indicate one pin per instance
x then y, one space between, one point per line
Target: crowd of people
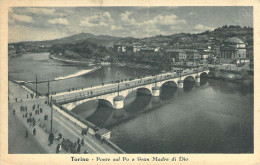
34 114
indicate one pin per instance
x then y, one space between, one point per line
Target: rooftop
234 40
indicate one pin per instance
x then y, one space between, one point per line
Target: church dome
233 40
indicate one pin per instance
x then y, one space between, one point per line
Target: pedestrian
86 132
26 134
34 132
14 112
60 136
16 99
78 149
78 141
58 148
82 142
51 137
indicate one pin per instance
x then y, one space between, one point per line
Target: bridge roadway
110 91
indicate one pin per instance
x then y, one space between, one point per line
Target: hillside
86 43
99 39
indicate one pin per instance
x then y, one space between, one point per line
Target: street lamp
51 113
197 67
179 72
101 72
118 83
36 86
48 92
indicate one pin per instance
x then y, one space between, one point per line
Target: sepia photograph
131 80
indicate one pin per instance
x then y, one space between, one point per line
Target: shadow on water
141 100
137 102
103 115
189 84
168 91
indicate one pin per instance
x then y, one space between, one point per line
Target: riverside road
39 142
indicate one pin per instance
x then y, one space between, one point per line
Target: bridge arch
203 74
133 94
189 78
144 90
137 99
100 101
88 108
170 83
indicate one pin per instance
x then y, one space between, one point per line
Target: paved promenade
39 143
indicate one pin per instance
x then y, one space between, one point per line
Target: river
213 117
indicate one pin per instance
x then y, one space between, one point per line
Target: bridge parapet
153 84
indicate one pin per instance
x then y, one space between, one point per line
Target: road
39 143
16 141
113 87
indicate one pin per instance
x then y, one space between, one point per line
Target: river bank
54 57
115 63
242 77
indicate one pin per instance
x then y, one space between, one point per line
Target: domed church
233 49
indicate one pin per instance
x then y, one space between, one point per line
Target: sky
46 23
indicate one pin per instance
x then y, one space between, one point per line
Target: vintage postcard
136 83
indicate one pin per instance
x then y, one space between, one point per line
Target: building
232 50
192 54
177 54
119 48
250 52
215 50
136 48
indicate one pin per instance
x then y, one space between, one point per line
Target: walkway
61 124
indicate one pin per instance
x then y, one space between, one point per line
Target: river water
213 117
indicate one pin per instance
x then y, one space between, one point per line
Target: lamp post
101 72
179 72
51 113
48 92
36 86
118 84
197 67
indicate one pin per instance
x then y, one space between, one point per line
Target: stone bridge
114 94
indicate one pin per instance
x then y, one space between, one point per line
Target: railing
90 94
90 125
